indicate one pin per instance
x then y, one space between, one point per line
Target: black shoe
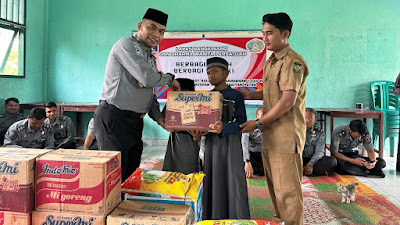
378 173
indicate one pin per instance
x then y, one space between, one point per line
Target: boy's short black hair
359 126
50 105
37 113
11 99
280 20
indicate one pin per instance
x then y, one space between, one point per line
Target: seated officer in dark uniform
315 162
251 145
344 146
10 116
31 132
62 127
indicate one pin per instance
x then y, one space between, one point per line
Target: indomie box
17 175
136 212
78 181
48 218
192 110
15 218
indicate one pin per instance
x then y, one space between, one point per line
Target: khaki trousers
284 173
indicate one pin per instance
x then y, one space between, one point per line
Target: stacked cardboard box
166 187
75 185
154 213
17 180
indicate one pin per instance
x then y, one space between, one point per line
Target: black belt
105 104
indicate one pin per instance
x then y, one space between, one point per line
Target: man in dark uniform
31 132
10 116
62 127
315 162
344 146
251 145
128 91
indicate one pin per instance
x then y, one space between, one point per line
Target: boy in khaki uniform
284 128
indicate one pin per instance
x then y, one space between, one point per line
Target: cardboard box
17 176
48 218
77 181
137 212
195 205
15 218
192 110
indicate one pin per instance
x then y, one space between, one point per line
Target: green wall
347 44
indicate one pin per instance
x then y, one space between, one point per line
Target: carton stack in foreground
17 180
173 191
77 187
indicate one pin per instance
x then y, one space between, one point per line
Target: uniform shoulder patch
296 67
21 127
138 49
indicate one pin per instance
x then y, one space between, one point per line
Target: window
12 36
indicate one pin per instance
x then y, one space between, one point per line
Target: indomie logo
67 221
193 98
62 170
8 169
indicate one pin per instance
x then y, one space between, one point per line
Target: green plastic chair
384 100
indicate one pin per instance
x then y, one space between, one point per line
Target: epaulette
48 126
62 117
20 114
318 129
2 115
21 127
341 133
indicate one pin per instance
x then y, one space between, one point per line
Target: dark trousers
256 163
120 130
322 165
346 168
68 145
94 145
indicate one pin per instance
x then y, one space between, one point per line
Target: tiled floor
388 186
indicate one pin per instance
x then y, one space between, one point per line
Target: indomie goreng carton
193 110
78 181
17 176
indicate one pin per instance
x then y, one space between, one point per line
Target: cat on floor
348 192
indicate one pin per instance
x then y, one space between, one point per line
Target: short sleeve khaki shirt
283 71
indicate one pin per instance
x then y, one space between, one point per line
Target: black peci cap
217 61
186 84
156 16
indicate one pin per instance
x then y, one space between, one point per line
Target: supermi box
193 110
78 181
154 213
17 176
49 218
